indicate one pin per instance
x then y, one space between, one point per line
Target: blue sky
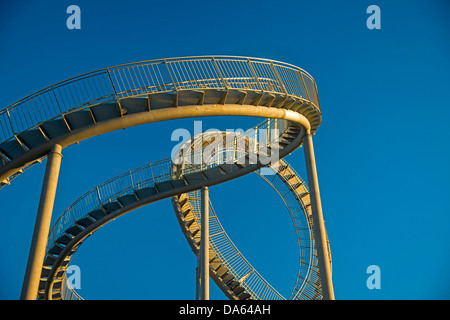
382 149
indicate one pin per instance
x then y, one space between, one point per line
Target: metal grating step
54 128
32 138
190 97
85 222
97 214
145 192
111 206
12 149
162 100
134 105
105 111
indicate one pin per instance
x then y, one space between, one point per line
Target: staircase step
55 249
238 290
54 128
190 97
194 178
280 100
49 260
74 230
214 96
266 100
145 192
212 255
244 296
134 105
42 285
227 277
45 272
253 97
233 284
222 270
235 96
297 105
216 264
105 111
64 239
3 161
183 202
79 119
97 214
230 167
111 206
32 138
57 284
178 183
163 186
186 212
12 149
213 172
85 222
127 199
162 100
190 222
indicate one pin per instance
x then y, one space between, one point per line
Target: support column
317 215
204 246
42 225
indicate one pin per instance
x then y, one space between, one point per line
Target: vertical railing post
42 225
304 86
10 122
98 195
277 75
170 75
254 73
119 106
219 72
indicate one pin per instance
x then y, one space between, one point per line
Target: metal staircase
30 126
157 90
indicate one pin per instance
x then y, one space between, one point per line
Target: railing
255 140
163 170
231 257
67 292
237 264
159 171
142 78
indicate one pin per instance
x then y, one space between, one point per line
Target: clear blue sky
382 151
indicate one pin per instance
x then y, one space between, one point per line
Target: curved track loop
133 94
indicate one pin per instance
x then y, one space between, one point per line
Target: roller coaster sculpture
42 124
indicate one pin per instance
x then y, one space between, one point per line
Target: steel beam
42 225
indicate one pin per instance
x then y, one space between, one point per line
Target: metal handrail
146 77
150 174
235 261
239 266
